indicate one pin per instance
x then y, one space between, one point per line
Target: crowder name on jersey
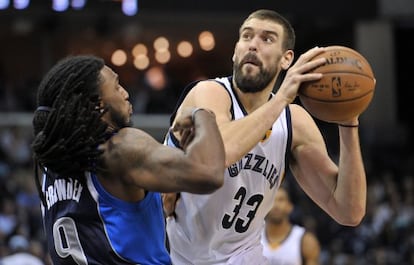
258 164
63 189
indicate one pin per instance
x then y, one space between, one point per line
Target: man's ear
233 58
287 59
290 207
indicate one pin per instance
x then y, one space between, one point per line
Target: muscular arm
239 136
338 190
140 160
311 249
242 135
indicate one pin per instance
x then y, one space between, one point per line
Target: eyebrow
265 31
115 80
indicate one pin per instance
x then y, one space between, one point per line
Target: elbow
354 218
209 186
228 163
358 217
214 179
213 186
232 156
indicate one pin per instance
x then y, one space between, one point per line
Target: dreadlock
67 123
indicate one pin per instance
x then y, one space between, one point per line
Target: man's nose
253 44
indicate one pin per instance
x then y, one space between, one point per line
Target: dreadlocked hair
67 135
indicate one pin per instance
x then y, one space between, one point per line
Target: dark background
31 40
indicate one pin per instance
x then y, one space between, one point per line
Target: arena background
33 36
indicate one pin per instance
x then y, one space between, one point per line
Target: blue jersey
86 225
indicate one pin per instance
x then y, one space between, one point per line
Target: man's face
282 207
257 55
115 98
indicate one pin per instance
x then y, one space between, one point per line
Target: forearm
240 136
207 146
351 189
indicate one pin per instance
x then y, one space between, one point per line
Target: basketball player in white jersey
263 134
285 243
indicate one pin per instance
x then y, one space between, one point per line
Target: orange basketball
344 91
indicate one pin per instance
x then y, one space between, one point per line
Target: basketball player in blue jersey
285 243
101 200
263 134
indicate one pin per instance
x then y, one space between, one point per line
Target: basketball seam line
348 72
336 101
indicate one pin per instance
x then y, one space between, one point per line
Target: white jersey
289 252
21 258
225 227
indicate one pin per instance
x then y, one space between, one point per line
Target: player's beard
253 83
119 120
274 219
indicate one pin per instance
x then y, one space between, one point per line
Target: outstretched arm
142 161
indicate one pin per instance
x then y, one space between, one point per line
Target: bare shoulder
206 89
309 239
310 248
127 145
127 139
304 128
208 84
211 95
130 134
300 117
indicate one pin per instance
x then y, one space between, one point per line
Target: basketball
345 90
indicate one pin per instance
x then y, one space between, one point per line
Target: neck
252 101
277 232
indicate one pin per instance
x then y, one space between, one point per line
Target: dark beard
252 84
274 220
118 119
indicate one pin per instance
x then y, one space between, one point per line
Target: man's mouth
251 59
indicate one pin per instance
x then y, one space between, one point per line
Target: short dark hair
68 127
266 14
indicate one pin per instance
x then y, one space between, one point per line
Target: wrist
348 125
194 112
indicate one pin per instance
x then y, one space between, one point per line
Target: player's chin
129 122
250 69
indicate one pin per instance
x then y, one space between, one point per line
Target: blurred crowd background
157 47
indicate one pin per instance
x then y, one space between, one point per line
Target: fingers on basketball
346 88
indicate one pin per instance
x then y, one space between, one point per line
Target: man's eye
246 36
269 39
